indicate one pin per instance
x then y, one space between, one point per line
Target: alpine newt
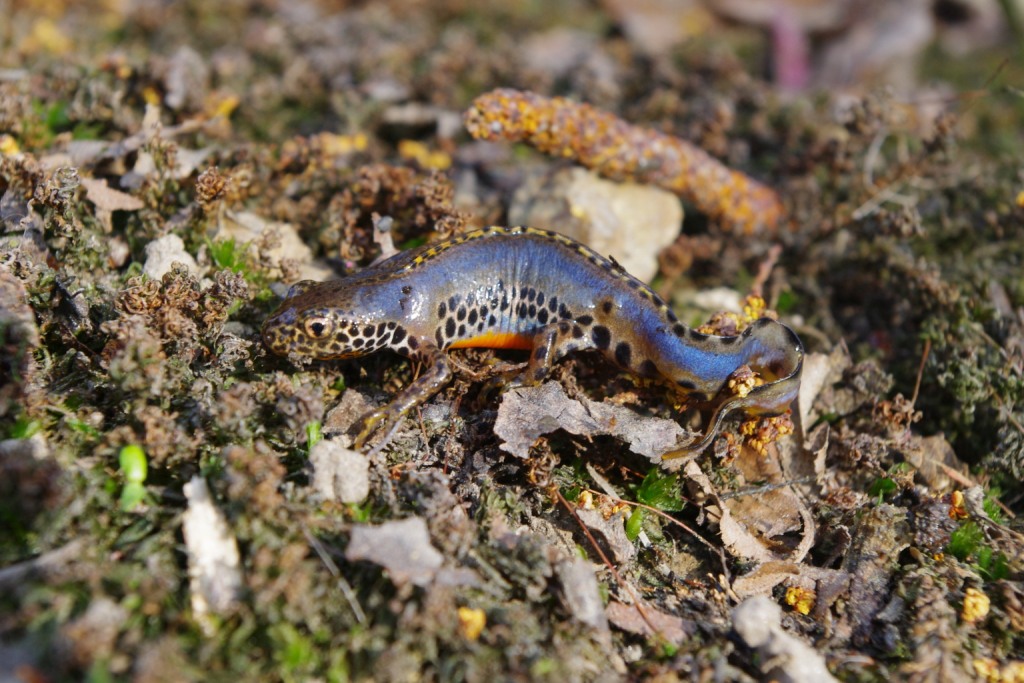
526 288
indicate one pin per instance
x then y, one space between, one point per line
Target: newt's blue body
530 289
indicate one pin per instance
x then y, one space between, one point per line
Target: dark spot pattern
523 307
623 354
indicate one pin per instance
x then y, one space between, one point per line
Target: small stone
214 565
339 473
164 252
630 222
582 593
245 226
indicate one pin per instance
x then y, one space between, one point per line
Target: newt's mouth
279 332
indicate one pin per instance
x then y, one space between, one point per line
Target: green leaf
635 523
787 301
314 434
132 461
660 490
965 541
24 428
882 487
132 495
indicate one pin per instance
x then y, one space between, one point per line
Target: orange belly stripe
495 340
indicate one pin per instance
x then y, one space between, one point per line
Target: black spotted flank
648 369
602 337
697 336
686 385
606 306
398 336
585 320
449 328
442 310
623 354
679 329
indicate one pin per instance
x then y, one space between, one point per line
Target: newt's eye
318 327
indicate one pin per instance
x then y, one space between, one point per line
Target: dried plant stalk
621 151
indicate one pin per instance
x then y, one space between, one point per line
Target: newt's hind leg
436 374
550 344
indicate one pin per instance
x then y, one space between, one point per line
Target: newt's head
315 322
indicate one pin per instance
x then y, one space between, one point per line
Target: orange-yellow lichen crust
618 150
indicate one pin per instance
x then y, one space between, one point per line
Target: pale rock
339 473
164 252
214 565
245 226
629 222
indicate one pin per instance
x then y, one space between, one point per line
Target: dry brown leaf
581 592
820 370
628 618
108 200
928 455
737 532
612 531
403 548
527 413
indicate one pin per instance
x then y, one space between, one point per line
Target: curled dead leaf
527 413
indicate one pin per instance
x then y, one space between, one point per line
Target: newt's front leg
436 373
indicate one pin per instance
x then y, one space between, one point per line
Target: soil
177 503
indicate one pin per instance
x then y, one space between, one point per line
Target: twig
764 270
346 588
611 567
920 371
17 574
